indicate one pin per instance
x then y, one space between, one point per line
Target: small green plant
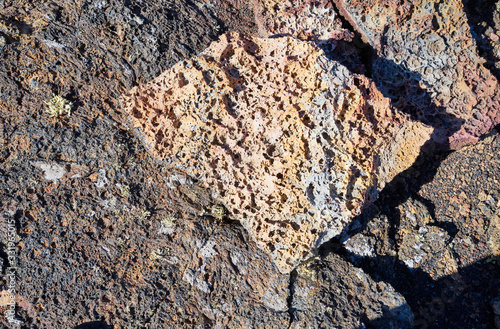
168 221
144 214
125 190
219 211
58 106
166 224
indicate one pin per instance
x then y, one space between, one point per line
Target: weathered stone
291 143
422 245
486 30
332 293
135 252
466 192
428 56
437 245
302 19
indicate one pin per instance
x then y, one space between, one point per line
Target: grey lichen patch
58 106
208 250
52 171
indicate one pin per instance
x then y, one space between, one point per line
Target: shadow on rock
456 300
484 20
403 87
460 300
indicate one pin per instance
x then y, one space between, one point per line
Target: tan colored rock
494 240
291 143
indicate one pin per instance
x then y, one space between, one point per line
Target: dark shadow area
482 18
93 325
461 300
386 320
457 301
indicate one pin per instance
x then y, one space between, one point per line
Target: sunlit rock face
292 144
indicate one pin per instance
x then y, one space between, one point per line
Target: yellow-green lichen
58 106
124 190
168 221
219 212
144 214
159 253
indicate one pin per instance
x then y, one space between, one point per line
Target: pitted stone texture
428 56
332 293
302 19
291 143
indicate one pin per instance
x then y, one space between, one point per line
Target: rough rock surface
127 269
345 295
108 238
472 200
303 19
94 248
428 57
440 247
484 20
291 143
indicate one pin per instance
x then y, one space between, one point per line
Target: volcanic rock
302 19
291 143
426 55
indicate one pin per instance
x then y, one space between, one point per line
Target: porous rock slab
291 143
428 44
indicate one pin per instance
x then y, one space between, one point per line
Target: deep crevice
481 19
365 52
289 300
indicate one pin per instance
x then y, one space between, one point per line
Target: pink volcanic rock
431 42
292 144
